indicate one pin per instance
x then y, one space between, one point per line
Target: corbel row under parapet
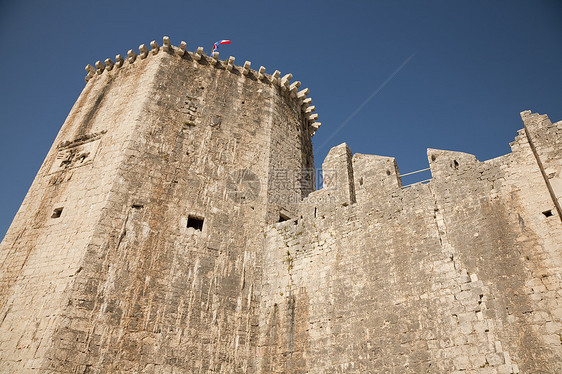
275 79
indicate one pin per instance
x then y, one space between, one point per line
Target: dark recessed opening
361 181
283 218
547 213
137 206
56 213
195 222
315 212
455 164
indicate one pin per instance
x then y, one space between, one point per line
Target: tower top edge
198 56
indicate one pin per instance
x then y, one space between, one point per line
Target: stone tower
174 227
138 244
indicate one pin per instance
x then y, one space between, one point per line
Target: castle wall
458 274
150 240
41 256
147 292
493 212
291 169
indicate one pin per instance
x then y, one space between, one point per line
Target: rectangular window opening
547 213
195 222
56 213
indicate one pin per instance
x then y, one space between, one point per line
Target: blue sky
467 68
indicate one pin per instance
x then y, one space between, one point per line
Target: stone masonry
174 227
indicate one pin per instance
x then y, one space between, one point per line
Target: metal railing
412 173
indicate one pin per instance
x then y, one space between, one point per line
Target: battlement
365 179
456 261
174 227
290 90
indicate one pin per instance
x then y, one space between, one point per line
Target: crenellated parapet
174 226
369 179
283 83
456 273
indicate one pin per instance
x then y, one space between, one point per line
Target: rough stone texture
119 282
461 274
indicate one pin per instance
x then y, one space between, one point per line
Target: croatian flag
216 45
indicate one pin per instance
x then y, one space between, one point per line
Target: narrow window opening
195 222
315 212
137 206
56 213
361 181
547 213
283 217
455 164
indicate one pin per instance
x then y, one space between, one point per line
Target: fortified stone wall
149 242
459 274
42 253
161 171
